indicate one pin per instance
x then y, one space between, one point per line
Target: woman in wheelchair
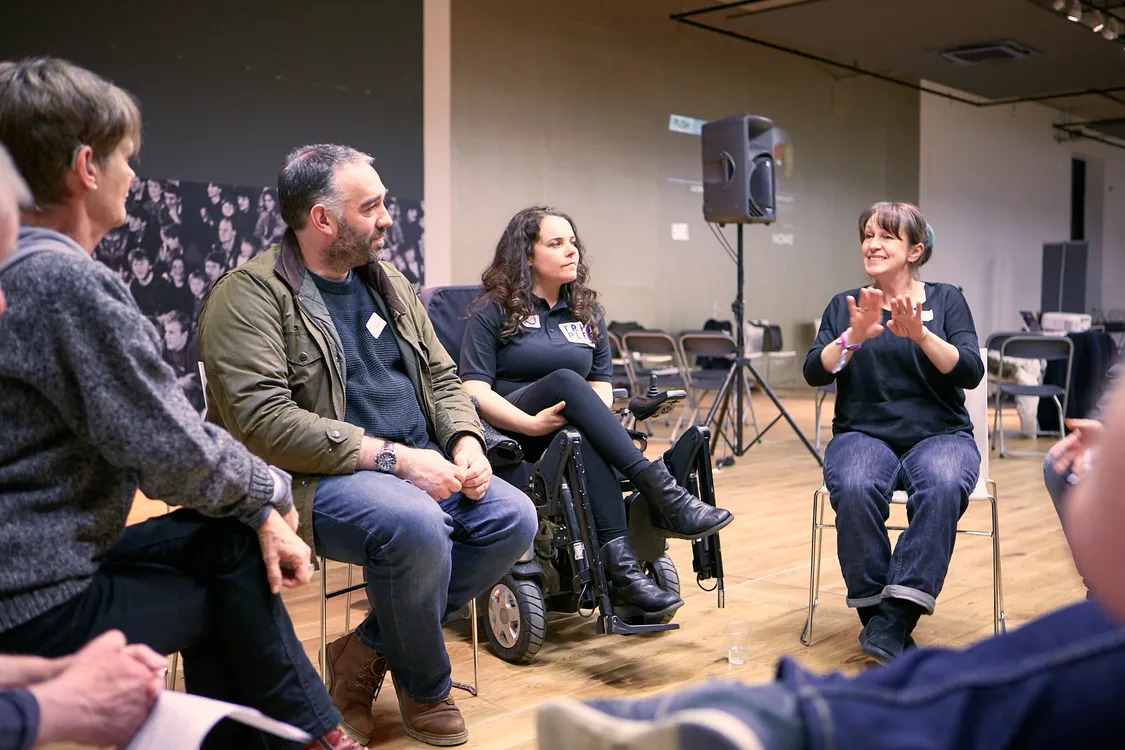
536 357
901 352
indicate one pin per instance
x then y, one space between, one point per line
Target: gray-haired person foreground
90 413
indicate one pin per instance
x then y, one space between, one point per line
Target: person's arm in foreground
98 696
1094 515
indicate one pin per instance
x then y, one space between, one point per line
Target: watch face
385 461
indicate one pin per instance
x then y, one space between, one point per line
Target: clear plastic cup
738 642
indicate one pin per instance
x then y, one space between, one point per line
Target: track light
1074 11
1097 21
1058 4
1112 29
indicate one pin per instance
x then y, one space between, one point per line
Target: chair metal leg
323 617
348 611
814 565
995 422
1000 420
472 689
1062 417
999 624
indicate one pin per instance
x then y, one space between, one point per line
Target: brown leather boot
433 723
354 674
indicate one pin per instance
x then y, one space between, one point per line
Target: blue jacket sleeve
832 323
19 719
962 333
602 368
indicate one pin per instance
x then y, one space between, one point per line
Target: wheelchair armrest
646 407
500 449
639 438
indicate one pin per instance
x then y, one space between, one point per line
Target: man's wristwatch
385 460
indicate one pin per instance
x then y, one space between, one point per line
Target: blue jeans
422 561
1057 682
861 472
184 582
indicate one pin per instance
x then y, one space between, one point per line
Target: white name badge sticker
575 333
927 315
375 325
532 321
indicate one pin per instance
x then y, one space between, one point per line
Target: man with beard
321 359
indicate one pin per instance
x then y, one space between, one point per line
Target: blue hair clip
929 244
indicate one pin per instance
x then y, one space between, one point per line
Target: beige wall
995 185
568 103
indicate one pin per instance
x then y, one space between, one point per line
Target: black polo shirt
551 340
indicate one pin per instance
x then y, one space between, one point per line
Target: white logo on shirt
532 321
576 333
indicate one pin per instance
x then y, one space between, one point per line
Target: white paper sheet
180 721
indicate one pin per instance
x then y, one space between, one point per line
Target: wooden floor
766 556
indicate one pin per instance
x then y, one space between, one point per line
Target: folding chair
976 401
695 344
655 354
1029 346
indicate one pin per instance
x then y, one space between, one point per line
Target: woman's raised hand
906 318
865 316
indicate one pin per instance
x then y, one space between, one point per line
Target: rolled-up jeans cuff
921 598
866 601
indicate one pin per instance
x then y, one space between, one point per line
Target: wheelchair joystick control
653 390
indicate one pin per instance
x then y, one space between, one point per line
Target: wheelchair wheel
517 619
663 573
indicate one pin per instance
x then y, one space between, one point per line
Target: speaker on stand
739 188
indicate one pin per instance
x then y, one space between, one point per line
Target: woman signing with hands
901 352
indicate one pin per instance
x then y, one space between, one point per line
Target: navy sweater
889 389
378 394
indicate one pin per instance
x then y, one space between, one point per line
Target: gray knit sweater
89 412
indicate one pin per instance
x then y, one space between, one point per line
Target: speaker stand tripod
736 385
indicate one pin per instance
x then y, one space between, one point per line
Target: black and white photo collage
181 236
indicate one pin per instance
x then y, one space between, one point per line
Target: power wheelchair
563 571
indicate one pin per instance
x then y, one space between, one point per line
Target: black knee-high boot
675 510
629 585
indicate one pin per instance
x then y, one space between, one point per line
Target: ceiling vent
971 54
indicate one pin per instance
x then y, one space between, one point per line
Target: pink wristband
843 343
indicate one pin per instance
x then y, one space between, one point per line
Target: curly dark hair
507 280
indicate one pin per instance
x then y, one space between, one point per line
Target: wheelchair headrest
448 310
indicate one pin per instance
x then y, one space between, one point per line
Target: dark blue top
379 396
19 719
889 389
551 340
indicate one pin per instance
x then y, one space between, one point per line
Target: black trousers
606 446
184 582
